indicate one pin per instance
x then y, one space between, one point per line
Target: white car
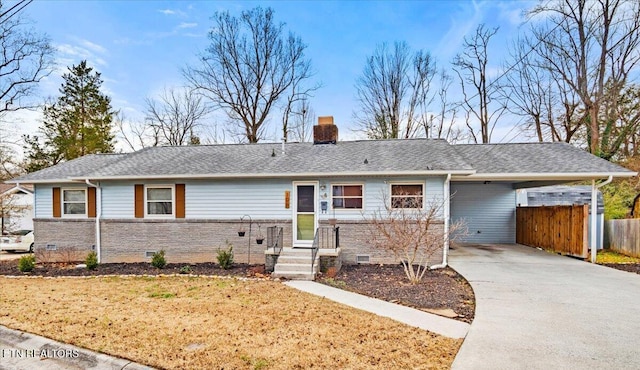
21 240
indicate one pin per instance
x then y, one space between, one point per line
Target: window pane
338 190
305 227
338 203
74 208
306 198
406 189
159 208
353 203
73 195
159 194
353 191
406 202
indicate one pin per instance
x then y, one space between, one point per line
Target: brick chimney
325 132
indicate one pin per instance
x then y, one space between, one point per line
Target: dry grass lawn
197 323
609 256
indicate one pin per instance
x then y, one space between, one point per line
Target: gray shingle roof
382 157
77 167
534 158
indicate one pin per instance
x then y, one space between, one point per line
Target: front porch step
295 264
287 267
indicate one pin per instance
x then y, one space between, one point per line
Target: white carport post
593 243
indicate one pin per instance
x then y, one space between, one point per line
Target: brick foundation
195 240
356 237
73 239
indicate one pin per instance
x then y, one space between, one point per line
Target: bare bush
413 231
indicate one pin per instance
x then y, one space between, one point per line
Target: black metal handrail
314 248
274 239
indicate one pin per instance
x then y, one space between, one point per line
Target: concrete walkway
538 310
24 351
407 315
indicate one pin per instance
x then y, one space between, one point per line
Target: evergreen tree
78 123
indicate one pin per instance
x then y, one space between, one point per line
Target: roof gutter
23 189
447 211
594 216
98 215
544 176
276 175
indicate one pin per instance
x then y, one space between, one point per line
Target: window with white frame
74 202
407 195
159 200
347 196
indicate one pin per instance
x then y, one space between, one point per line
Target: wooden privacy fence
563 229
623 236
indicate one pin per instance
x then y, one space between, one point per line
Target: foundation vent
363 258
51 247
149 254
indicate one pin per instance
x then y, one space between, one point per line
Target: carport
486 200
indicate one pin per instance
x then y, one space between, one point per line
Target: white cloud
187 25
73 53
172 12
93 47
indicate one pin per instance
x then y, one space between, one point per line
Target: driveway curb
20 350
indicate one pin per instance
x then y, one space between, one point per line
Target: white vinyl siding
117 200
487 209
261 199
231 199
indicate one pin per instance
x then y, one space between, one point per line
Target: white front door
305 220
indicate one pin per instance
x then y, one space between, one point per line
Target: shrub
27 263
91 261
225 257
158 260
186 269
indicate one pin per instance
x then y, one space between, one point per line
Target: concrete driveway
4 256
537 310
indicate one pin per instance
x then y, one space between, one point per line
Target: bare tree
592 46
303 119
176 116
441 124
412 232
135 134
249 67
26 57
481 101
394 91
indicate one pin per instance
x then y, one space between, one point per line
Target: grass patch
215 323
609 256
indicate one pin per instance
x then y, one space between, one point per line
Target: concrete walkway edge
406 315
20 350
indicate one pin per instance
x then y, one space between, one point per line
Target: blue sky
141 46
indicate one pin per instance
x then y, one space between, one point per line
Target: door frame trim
294 212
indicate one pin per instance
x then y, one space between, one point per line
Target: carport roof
519 161
414 157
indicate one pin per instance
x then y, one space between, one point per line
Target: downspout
98 214
594 216
446 216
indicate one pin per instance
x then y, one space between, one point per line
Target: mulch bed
630 267
439 289
141 268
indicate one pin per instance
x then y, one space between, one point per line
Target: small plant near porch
413 231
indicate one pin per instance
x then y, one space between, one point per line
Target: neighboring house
189 200
16 207
563 195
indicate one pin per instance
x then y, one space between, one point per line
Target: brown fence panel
623 236
563 229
